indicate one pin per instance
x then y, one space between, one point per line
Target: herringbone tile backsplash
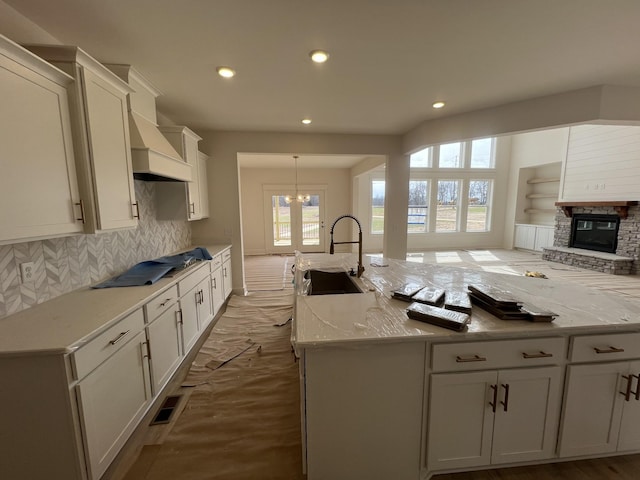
68 263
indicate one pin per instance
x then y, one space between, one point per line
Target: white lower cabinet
227 278
505 410
165 346
602 409
217 288
112 399
483 418
195 306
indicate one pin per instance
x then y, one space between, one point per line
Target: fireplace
595 232
601 236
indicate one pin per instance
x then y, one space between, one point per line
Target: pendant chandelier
300 197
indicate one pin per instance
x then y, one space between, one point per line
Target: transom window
462 200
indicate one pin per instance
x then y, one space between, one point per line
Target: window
417 218
451 155
421 159
482 153
377 206
478 205
447 209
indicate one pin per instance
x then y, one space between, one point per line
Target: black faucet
359 242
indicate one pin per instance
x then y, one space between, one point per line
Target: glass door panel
294 224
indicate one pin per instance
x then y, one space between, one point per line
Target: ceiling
389 59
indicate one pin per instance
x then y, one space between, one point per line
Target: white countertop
374 316
64 323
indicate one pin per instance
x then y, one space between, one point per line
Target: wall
602 164
68 263
529 151
252 180
224 224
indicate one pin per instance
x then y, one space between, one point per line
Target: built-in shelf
543 180
621 207
542 195
539 210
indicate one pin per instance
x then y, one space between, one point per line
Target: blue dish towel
149 272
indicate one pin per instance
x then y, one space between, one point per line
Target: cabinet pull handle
179 317
192 208
627 392
118 338
637 392
215 284
495 398
81 205
224 271
137 214
608 350
506 396
540 354
166 300
475 358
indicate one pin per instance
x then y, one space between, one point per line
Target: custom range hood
153 157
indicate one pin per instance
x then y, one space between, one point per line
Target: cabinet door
592 409
109 153
38 185
164 346
191 157
526 419
112 400
629 438
525 237
544 238
189 318
460 420
227 279
217 292
203 185
205 307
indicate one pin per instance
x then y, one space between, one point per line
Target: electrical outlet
27 272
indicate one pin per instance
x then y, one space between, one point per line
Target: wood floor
156 466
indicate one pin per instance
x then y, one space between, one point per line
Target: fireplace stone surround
626 259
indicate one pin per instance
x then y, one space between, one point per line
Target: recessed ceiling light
226 72
319 56
306 121
438 104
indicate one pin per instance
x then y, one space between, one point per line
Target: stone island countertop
374 316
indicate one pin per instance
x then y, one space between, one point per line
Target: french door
294 224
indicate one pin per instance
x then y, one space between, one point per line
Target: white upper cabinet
203 184
38 186
100 124
188 200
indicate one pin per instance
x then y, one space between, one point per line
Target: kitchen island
384 396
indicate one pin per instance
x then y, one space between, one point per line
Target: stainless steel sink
330 283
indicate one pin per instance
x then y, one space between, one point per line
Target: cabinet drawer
216 262
498 354
193 279
601 348
96 351
226 255
160 303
